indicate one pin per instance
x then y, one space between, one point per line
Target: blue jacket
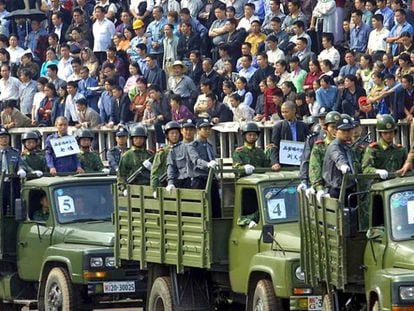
67 164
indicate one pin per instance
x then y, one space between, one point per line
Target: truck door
244 241
34 234
376 238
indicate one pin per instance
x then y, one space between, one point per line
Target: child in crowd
149 116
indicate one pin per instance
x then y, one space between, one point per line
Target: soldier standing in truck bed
34 158
159 165
90 160
114 154
136 157
177 159
249 156
202 157
384 156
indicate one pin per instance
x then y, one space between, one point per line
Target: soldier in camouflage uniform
114 154
384 156
319 150
90 161
34 158
248 156
135 158
159 165
177 159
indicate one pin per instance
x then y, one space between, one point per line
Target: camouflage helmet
84 133
385 123
332 117
29 135
138 131
172 125
250 127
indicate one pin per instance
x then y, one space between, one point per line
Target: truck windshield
83 202
402 215
280 204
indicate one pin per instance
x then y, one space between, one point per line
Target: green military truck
362 255
62 260
195 262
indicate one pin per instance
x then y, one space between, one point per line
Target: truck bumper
306 302
127 288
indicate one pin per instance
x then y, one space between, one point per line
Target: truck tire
160 298
264 298
60 294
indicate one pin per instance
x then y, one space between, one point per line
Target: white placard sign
410 212
66 204
65 146
290 152
276 209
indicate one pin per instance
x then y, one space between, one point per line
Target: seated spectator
15 51
297 74
281 72
247 97
302 109
351 66
273 104
313 74
300 32
12 117
263 71
247 69
313 105
234 39
329 52
223 52
27 91
136 36
274 54
120 108
376 89
347 102
274 11
303 53
404 66
149 116
327 94
109 71
326 68
155 75
179 111
121 43
246 21
377 46
134 74
70 103
260 101
289 91
162 110
77 42
200 105
228 88
294 15
281 35
46 106
405 44
59 107
188 41
138 95
76 68
112 58
86 87
217 111
385 11
256 38
28 63
88 118
40 94
51 59
364 73
89 60
246 49
401 26
64 65
241 112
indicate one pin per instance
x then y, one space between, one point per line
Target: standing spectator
155 75
58 109
89 60
28 63
64 65
41 82
162 110
297 74
27 91
36 40
15 51
9 86
234 38
206 15
274 54
141 9
327 94
138 96
294 15
194 6
313 74
52 74
196 68
120 104
377 46
103 30
351 66
4 23
246 22
139 38
78 22
217 29
188 41
105 101
46 106
13 117
68 163
125 22
58 27
261 73
155 34
85 87
70 104
359 34
180 84
170 44
256 38
324 12
210 74
386 12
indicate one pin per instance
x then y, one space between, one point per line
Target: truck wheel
60 293
328 303
160 298
264 298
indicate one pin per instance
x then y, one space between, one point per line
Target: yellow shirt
255 41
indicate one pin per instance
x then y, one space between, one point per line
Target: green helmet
332 117
84 133
29 135
172 125
138 131
37 132
385 123
250 127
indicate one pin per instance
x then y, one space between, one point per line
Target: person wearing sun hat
180 84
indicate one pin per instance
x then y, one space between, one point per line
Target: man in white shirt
14 50
64 65
9 86
274 54
376 40
247 69
329 51
70 103
103 30
246 21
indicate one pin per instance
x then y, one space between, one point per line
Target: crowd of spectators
151 61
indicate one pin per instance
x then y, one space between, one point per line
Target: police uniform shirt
200 153
177 163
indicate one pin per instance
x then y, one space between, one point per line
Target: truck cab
58 245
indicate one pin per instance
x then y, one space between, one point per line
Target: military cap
3 131
323 111
121 132
385 123
203 123
29 135
345 123
188 123
357 121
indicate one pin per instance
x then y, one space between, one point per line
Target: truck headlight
406 292
300 275
110 261
96 262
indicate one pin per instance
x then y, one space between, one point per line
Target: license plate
315 303
119 287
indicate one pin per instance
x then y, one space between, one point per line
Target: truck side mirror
20 212
267 233
375 233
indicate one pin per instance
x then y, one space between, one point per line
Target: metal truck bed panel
174 229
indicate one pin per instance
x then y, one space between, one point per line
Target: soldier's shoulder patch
373 145
319 142
238 149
